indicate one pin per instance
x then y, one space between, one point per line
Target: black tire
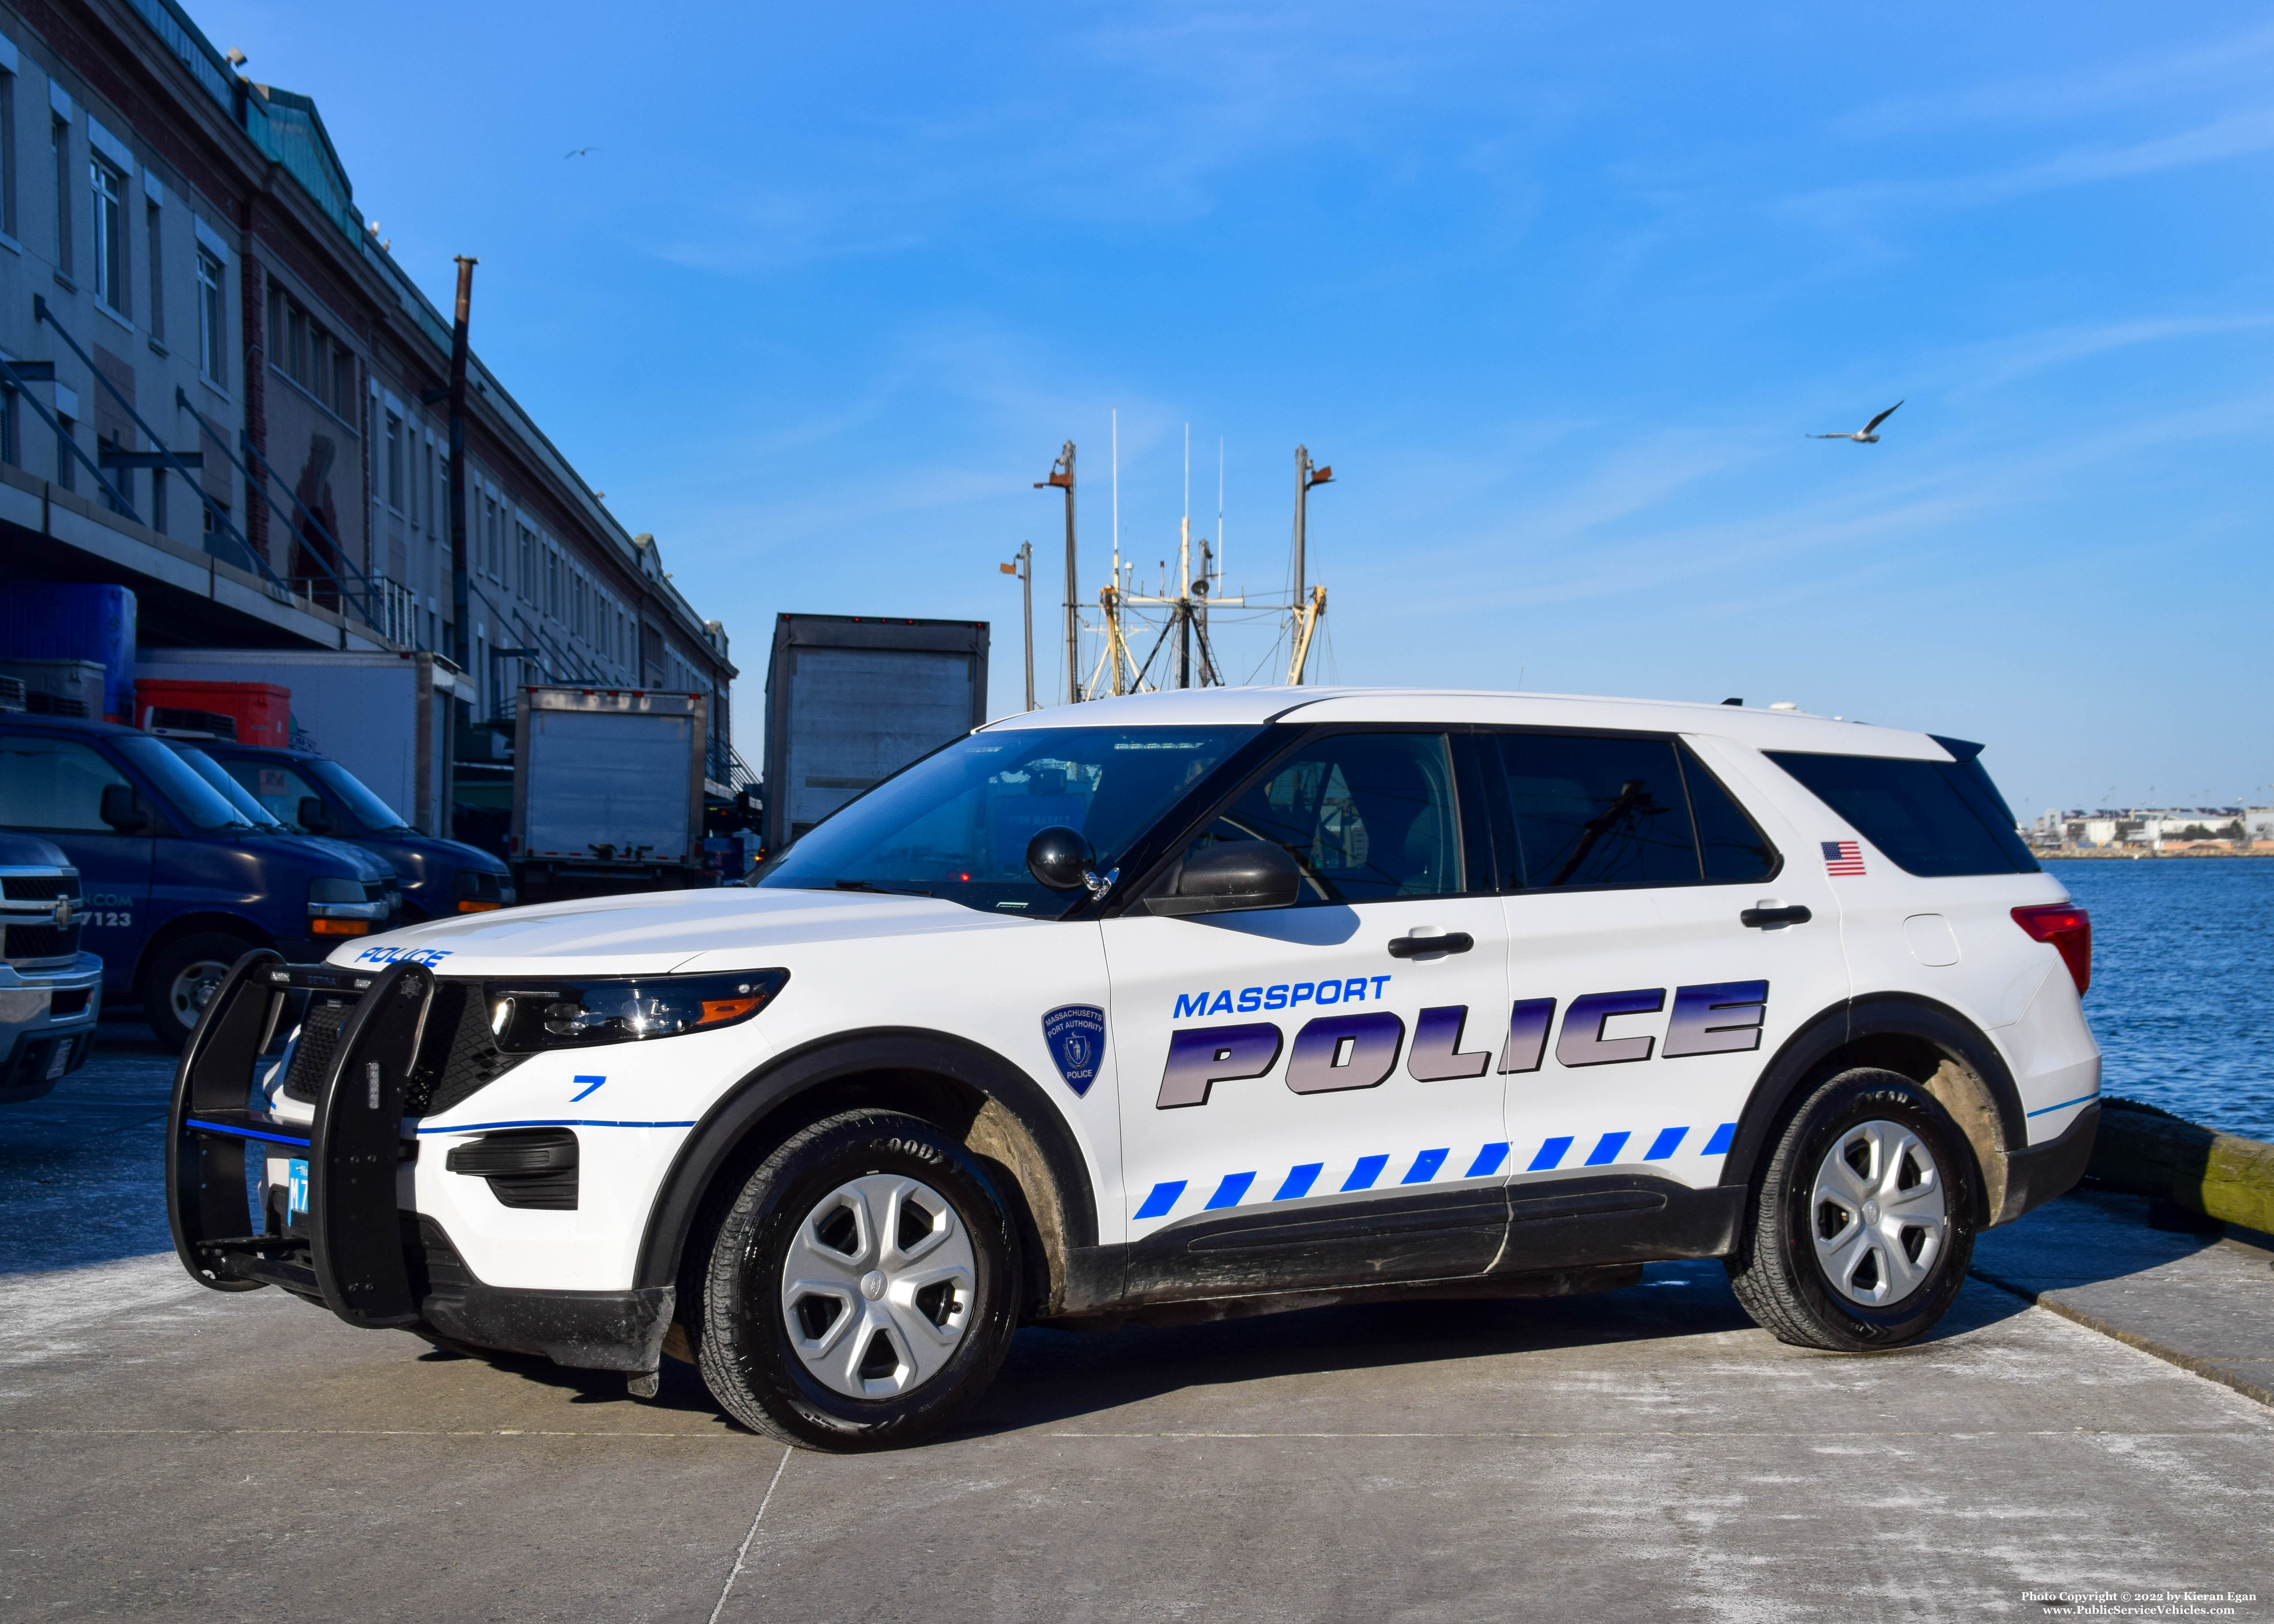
750 1356
1784 1272
171 1001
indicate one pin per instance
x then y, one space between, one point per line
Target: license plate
295 1189
59 1062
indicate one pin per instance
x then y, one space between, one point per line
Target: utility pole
1023 566
1062 476
1305 607
461 636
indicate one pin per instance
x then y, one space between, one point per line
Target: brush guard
352 1258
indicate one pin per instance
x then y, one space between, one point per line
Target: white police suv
1187 1004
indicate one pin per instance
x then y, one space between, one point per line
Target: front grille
26 942
311 1056
457 1057
39 887
460 1056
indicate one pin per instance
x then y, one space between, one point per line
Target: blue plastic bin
72 620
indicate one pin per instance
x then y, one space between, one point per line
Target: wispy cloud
2239 135
2037 99
2006 360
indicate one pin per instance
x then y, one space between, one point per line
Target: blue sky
1558 290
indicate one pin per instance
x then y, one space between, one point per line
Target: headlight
528 1016
340 908
480 892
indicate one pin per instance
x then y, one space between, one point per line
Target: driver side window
53 783
1367 816
277 788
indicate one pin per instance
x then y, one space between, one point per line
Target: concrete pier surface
172 1452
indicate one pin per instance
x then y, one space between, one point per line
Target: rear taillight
2067 928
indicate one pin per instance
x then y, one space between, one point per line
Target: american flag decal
1843 857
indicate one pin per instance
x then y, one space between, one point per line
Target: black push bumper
360 1255
2035 1176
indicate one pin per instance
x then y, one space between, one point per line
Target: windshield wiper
887 890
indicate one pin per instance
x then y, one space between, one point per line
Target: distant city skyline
1559 292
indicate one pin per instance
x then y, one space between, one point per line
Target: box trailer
386 717
608 791
852 699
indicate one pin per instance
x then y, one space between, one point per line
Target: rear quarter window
1934 819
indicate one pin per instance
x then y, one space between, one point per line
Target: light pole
1023 566
1306 612
1062 476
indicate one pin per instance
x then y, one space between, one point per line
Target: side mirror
123 810
1234 876
312 817
1059 859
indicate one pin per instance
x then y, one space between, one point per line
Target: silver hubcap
1878 1213
194 988
879 1287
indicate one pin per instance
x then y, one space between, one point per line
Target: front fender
907 1054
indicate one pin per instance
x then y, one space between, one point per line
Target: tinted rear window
1931 818
1618 810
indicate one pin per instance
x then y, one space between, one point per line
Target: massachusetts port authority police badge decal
1076 1033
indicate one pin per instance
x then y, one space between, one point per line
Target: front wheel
862 1291
181 980
1863 1226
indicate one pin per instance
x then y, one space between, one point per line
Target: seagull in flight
580 152
1869 434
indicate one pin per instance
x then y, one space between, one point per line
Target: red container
263 711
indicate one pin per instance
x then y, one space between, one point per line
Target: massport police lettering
1333 1053
1285 996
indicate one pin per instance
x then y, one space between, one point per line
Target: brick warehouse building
183 270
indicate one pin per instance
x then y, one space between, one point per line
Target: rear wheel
862 1291
181 979
1864 1224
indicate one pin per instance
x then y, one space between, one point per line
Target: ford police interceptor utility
1183 1005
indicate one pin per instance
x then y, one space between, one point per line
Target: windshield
956 824
201 806
207 768
375 815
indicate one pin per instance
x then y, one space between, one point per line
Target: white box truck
608 791
386 717
852 699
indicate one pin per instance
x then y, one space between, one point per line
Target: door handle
1451 942
1762 919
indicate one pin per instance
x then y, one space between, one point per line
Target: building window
433 521
107 237
8 153
158 500
526 577
394 462
153 218
490 560
213 323
59 134
122 479
66 464
303 351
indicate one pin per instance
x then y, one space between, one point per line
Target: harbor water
2182 952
